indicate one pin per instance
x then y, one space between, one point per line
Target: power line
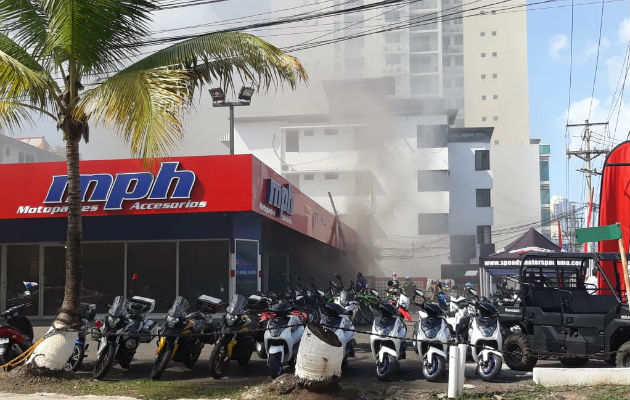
599 42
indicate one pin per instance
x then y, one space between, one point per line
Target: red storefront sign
169 185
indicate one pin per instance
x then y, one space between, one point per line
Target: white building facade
18 150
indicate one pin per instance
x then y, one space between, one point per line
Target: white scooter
387 340
432 335
486 340
339 321
282 337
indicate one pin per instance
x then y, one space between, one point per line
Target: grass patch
142 389
543 393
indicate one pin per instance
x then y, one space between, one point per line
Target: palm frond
21 77
13 116
98 34
217 57
146 107
26 21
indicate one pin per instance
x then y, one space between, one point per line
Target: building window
483 97
483 119
494 54
494 33
433 224
463 248
544 170
308 132
495 76
482 160
483 76
292 138
484 234
483 197
309 177
331 176
331 131
459 61
432 181
483 55
545 196
495 96
483 34
431 136
495 118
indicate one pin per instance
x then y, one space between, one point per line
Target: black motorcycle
88 312
16 333
236 338
124 328
183 336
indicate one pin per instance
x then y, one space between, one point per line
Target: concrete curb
581 376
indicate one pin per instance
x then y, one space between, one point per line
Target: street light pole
218 100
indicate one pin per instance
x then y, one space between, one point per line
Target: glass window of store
204 268
22 266
246 266
54 278
154 262
103 273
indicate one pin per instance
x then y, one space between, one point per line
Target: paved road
360 372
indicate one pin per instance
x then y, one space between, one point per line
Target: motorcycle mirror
419 293
374 292
320 292
473 292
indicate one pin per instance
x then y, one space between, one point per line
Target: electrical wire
599 42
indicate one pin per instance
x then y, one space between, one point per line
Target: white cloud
557 43
579 111
590 49
624 30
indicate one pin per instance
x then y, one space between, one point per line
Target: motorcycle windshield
179 308
237 305
118 307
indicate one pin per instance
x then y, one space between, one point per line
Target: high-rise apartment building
468 72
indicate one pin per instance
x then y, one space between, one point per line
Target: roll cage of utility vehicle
559 316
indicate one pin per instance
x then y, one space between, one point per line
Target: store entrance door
246 266
275 272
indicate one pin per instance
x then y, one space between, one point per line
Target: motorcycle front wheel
489 370
433 369
76 359
104 361
385 369
191 360
260 350
161 361
219 361
275 365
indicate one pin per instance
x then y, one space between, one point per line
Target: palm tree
71 60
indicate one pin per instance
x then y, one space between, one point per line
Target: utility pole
587 154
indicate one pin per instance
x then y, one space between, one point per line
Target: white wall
13 151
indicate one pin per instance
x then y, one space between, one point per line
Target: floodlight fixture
217 94
246 93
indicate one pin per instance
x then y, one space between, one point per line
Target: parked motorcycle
432 335
367 302
485 338
184 334
123 329
16 333
338 320
88 313
283 336
236 338
387 340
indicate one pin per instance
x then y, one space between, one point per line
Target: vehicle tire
191 360
433 370
517 353
385 370
275 365
260 350
489 370
573 361
623 356
104 361
219 362
161 361
76 359
244 360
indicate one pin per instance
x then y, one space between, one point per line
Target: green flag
597 234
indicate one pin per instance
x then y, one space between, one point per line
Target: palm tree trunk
69 313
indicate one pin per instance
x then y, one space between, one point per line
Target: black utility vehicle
557 316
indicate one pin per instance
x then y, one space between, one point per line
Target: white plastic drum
318 360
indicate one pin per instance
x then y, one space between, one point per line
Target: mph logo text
114 191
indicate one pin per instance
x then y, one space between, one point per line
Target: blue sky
549 32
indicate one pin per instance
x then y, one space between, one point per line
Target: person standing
362 284
591 283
